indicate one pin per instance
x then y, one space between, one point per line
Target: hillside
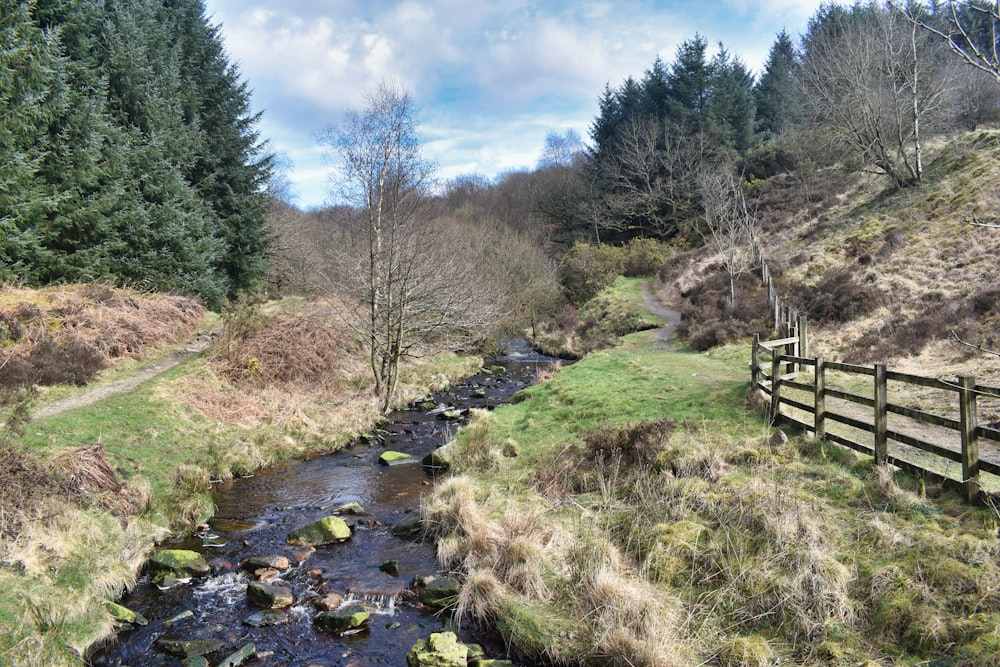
884 274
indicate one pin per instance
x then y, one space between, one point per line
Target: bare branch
973 345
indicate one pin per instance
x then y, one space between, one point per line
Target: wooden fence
869 413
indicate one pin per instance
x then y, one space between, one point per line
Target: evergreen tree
731 105
29 99
779 99
690 85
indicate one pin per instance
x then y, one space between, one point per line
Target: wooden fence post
819 398
968 422
803 336
881 414
775 386
755 363
777 312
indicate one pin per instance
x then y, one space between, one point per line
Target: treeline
128 149
862 90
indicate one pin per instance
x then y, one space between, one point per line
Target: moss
750 651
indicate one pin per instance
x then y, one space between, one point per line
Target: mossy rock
441 649
325 531
441 592
268 596
410 527
391 458
124 614
342 620
177 563
436 460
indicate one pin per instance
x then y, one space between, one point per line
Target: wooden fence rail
788 356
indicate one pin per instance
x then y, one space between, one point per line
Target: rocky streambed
319 562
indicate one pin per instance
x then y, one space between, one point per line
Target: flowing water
255 514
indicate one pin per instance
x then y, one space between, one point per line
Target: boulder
351 509
391 458
441 591
195 661
269 596
254 563
390 567
329 602
411 526
124 614
342 620
178 564
441 649
436 460
325 531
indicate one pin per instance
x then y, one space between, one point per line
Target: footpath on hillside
664 336
91 395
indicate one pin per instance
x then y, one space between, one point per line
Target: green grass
746 552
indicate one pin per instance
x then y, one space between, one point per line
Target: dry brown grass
67 334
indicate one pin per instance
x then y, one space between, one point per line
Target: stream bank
255 515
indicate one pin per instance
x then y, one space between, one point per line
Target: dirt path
91 395
664 336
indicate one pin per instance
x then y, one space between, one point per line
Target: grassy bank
632 510
118 474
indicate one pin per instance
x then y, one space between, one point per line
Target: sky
490 78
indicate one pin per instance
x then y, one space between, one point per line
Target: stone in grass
177 563
391 458
490 662
441 649
269 596
325 531
341 620
441 591
183 648
124 614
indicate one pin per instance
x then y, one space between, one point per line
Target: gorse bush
586 270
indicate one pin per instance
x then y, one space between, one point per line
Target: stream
255 514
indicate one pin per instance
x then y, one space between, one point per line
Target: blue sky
490 78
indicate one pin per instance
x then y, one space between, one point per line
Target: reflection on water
255 514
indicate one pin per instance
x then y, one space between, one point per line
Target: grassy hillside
633 510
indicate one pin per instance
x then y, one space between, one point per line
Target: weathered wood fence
787 357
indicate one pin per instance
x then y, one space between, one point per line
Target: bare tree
649 176
406 287
971 29
731 227
875 84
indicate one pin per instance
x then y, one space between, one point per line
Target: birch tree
407 285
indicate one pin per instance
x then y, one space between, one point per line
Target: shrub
708 317
837 297
585 270
643 257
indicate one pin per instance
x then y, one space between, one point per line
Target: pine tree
779 99
731 105
690 81
29 98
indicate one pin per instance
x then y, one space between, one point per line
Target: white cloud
491 78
